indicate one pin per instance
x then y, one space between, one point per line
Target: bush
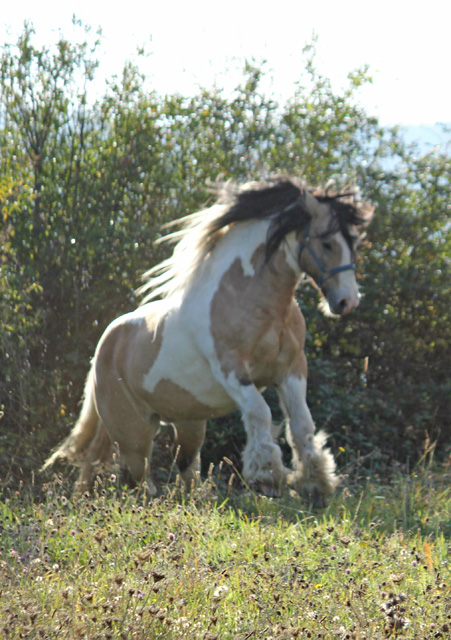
86 188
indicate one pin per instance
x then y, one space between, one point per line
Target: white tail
82 434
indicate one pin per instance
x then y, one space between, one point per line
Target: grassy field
226 563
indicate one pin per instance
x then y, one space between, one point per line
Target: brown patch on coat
123 341
257 327
146 345
172 402
292 342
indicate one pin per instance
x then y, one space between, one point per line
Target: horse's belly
175 402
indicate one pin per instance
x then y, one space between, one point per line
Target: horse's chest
272 356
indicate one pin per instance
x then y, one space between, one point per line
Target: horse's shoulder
293 336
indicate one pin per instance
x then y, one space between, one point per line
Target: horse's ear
366 209
315 208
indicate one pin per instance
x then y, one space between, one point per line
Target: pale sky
407 45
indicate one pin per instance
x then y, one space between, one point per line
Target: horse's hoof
315 498
268 490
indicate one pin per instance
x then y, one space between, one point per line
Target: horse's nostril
344 306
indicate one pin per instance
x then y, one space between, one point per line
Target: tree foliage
86 188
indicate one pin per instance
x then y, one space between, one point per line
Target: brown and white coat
226 326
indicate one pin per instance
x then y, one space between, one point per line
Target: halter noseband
325 272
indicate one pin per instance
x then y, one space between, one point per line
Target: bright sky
406 43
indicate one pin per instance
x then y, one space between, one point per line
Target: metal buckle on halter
325 272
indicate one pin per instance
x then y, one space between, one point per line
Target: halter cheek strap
325 272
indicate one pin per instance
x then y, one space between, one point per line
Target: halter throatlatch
325 272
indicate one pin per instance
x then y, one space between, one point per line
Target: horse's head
328 246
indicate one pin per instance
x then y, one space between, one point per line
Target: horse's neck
279 277
238 263
274 281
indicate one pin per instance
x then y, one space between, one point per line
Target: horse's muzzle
342 303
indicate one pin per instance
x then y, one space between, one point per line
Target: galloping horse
218 325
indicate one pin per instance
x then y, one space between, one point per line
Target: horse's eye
327 246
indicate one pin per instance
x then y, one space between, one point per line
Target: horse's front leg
313 464
262 457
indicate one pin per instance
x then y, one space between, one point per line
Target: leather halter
325 272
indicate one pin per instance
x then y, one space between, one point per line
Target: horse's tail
84 431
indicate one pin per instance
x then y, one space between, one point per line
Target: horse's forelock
347 214
348 208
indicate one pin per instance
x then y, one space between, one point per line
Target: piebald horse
219 324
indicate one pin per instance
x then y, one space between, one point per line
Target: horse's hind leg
130 425
189 438
98 452
134 439
314 466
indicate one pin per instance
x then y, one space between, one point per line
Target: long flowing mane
280 200
227 326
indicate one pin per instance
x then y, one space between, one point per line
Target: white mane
193 243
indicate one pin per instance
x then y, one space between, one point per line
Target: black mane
282 200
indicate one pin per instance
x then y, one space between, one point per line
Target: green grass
228 564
